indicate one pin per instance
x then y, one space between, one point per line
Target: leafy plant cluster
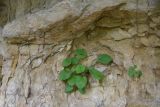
133 72
75 75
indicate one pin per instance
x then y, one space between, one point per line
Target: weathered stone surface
43 33
152 41
14 9
119 34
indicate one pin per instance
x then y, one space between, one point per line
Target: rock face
41 33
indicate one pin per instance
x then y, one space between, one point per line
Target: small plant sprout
133 72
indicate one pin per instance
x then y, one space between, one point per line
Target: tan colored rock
152 41
108 22
119 34
34 45
156 19
115 18
121 47
136 105
142 28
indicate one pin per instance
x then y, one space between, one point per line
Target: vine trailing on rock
75 75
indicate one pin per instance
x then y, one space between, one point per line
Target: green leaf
81 82
64 75
104 59
96 74
73 69
80 68
72 80
66 62
81 53
74 60
82 91
68 88
136 74
133 72
140 74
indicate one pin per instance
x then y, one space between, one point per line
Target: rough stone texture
33 46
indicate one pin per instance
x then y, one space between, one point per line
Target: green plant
104 59
133 72
75 75
95 73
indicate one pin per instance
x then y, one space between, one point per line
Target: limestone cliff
36 35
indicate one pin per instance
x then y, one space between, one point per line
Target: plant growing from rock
133 72
75 75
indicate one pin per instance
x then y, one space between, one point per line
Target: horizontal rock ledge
63 19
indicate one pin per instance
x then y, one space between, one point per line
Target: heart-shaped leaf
73 69
64 74
137 74
81 82
133 72
81 53
66 62
68 88
80 68
72 80
75 60
96 74
82 91
104 59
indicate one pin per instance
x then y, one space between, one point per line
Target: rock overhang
66 13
